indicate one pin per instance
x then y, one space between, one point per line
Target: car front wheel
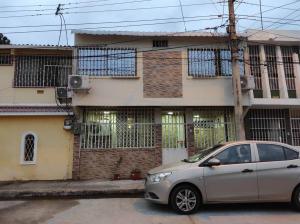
185 199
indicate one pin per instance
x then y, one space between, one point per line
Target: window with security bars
267 125
255 70
42 71
106 62
213 126
211 62
118 128
295 126
6 58
28 149
288 65
271 63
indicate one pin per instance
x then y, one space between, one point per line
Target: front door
235 179
173 137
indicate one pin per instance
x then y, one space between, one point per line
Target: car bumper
157 192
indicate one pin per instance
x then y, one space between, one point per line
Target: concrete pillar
296 68
158 135
264 73
191 149
281 75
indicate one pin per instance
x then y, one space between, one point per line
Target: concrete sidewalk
71 189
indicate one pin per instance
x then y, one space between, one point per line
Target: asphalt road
138 211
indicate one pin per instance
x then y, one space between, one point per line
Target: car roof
257 141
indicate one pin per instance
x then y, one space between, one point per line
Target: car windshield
197 157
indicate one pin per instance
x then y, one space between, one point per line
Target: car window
235 154
268 152
291 154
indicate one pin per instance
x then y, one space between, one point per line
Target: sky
17 16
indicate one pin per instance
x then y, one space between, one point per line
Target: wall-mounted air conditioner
247 83
79 83
63 95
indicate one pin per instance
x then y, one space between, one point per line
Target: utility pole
236 80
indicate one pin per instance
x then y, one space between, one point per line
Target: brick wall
102 163
162 74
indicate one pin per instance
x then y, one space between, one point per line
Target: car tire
296 198
185 199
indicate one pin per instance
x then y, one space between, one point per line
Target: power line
110 27
109 10
107 22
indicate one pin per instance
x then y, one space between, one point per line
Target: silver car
245 171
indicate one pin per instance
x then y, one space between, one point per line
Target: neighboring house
154 98
274 63
33 142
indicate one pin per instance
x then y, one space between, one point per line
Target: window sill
28 163
116 77
209 77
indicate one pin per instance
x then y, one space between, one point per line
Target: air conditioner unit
63 95
79 83
247 83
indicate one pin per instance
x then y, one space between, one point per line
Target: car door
235 179
278 171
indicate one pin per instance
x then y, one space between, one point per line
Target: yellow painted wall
54 148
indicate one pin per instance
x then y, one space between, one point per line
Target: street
138 211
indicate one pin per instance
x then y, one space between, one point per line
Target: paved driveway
138 211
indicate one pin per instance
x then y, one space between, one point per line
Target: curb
78 194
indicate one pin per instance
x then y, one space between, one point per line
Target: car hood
170 167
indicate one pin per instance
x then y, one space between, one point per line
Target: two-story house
154 98
273 61
33 142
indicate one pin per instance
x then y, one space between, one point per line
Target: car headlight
156 178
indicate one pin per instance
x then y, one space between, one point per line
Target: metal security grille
255 70
288 65
29 148
42 71
173 130
211 62
213 126
271 62
5 59
121 128
295 126
266 125
115 62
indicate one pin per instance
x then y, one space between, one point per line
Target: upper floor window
5 57
211 62
42 71
106 62
28 148
160 43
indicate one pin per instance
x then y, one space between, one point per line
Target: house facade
34 144
153 98
118 102
273 58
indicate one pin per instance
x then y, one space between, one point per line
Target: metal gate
173 137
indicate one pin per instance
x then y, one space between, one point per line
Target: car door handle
292 166
247 171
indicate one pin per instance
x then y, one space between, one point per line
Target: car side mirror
213 162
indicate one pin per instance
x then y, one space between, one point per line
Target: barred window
121 128
28 148
111 62
271 61
266 125
295 126
211 62
42 71
255 70
5 58
288 65
213 126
